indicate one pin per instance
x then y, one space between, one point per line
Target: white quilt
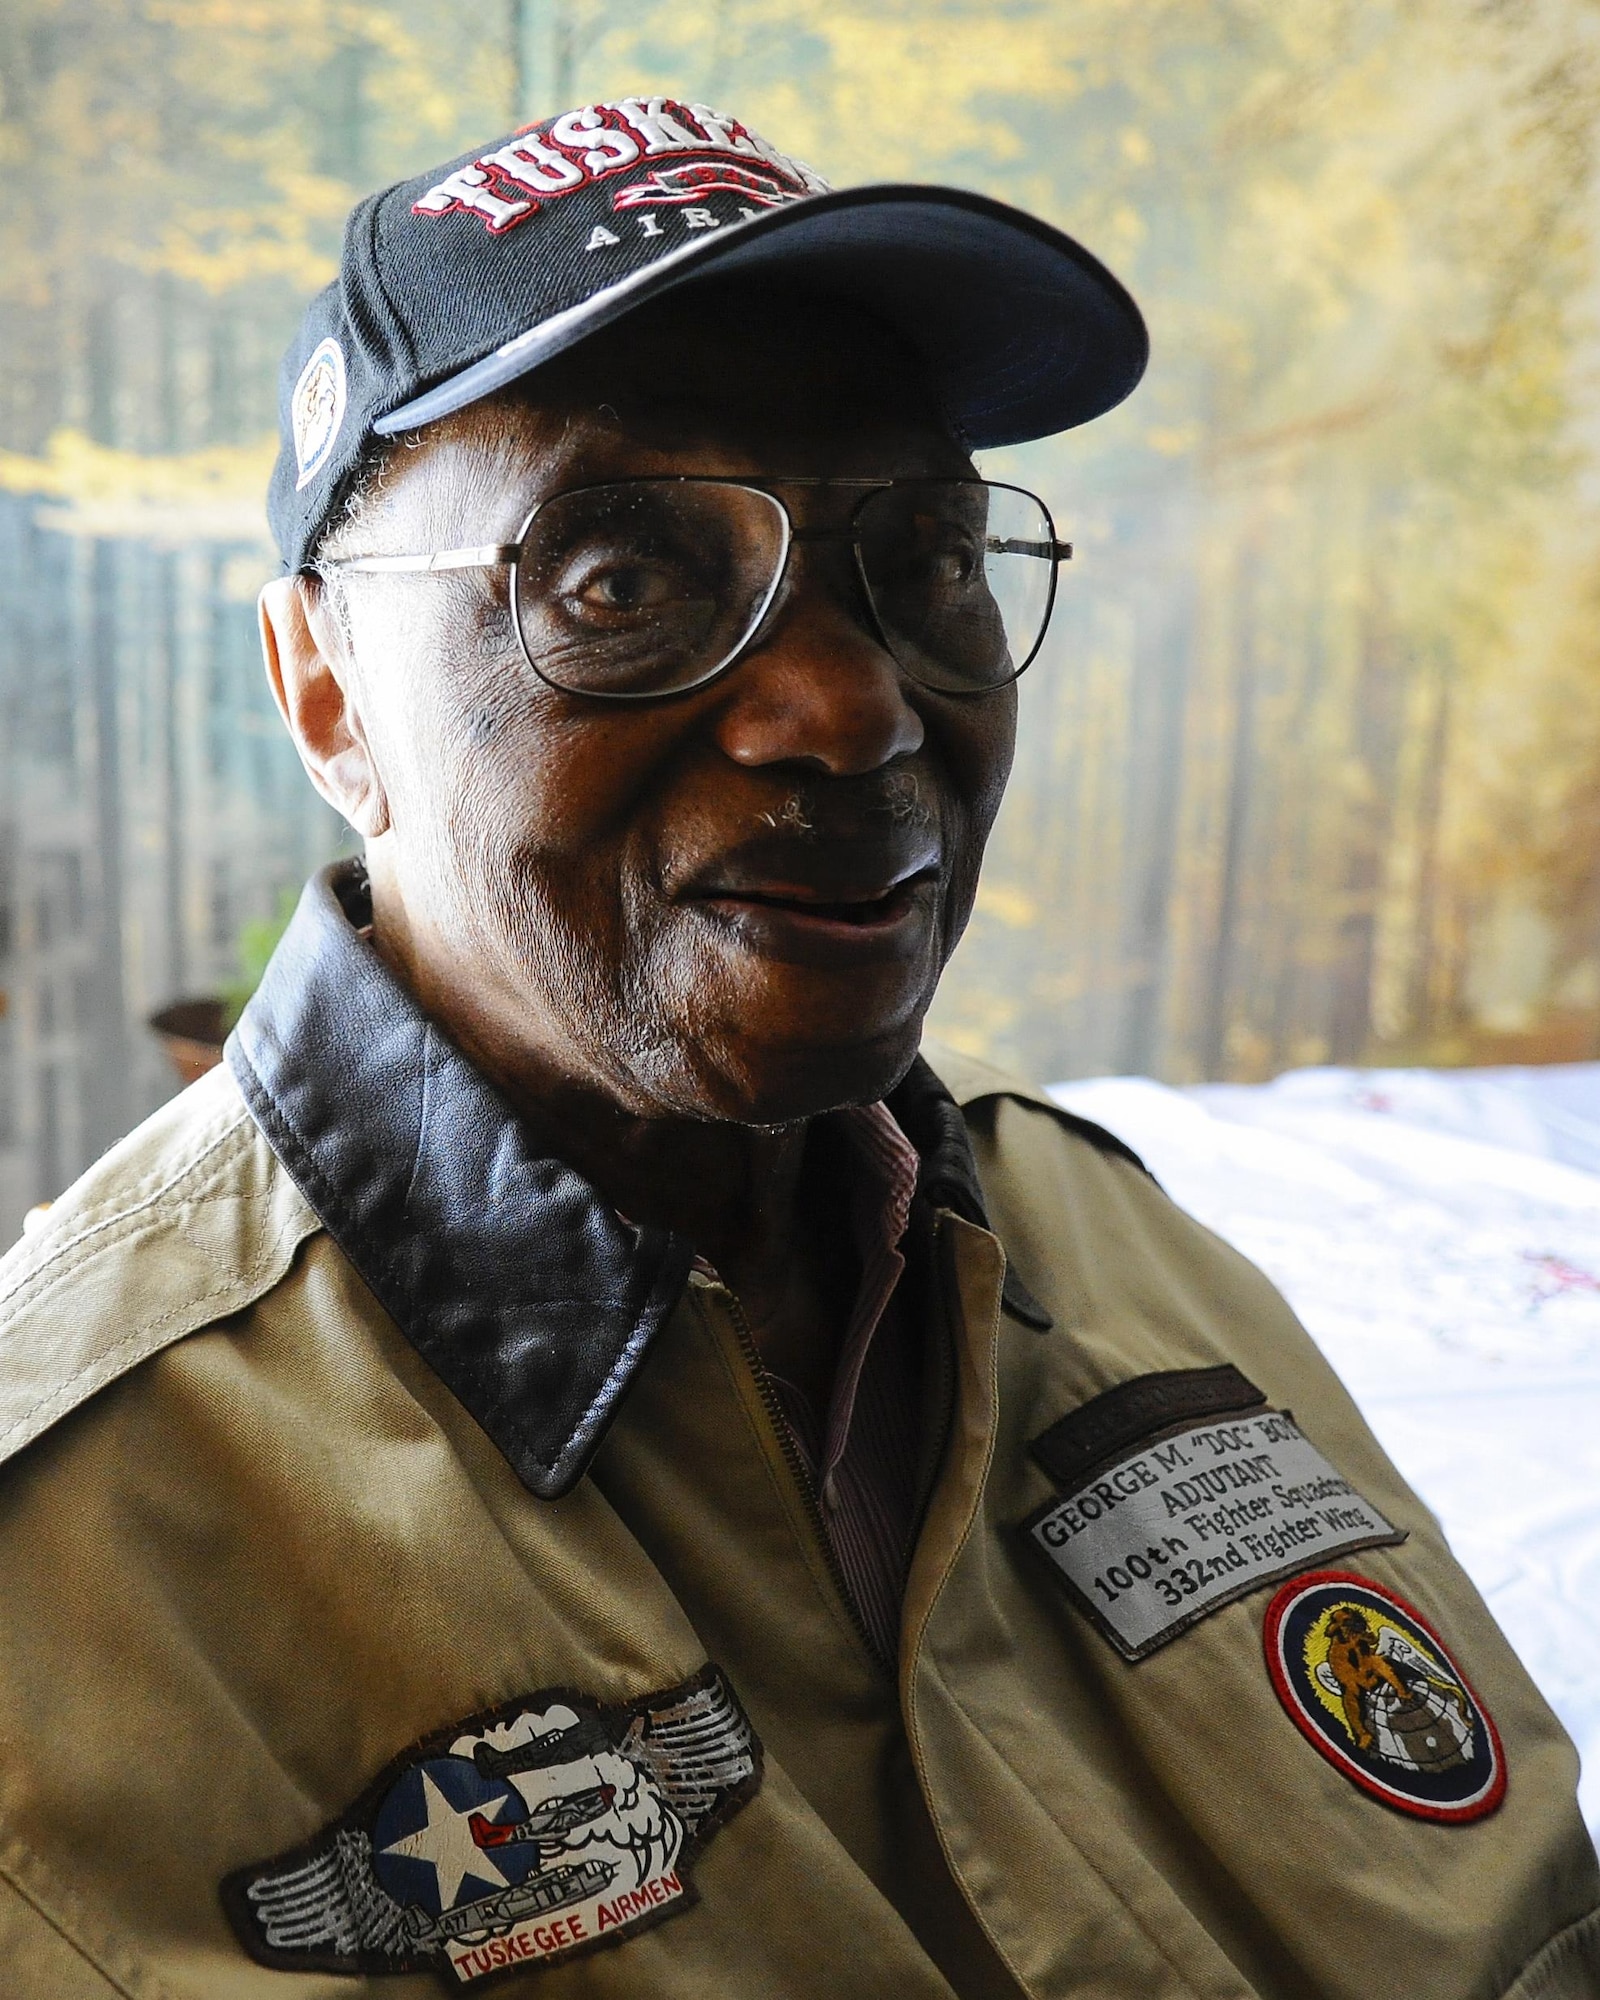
1439 1234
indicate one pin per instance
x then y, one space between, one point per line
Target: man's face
732 904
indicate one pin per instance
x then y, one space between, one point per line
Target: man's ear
309 669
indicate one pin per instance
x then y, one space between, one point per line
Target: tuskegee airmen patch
522 1837
1370 1684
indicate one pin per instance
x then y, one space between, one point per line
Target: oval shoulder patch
1370 1684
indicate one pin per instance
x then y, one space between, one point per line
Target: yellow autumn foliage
1320 709
214 494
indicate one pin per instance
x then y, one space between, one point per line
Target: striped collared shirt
863 1451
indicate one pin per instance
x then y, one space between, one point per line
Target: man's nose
819 687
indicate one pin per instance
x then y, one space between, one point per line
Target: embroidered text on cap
510 183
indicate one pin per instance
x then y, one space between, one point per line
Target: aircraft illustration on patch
535 1833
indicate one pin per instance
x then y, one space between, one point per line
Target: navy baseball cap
457 282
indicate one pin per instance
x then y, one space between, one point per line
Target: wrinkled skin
672 932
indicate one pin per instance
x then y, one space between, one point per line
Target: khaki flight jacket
324 1470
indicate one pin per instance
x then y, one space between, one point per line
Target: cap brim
1025 332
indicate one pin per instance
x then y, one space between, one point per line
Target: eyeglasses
638 589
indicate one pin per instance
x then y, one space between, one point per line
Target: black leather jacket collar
515 1281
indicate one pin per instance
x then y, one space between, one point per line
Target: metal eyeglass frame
506 555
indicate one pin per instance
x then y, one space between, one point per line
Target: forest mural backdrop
1311 768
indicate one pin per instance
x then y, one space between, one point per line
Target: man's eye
945 562
957 551
623 589
957 563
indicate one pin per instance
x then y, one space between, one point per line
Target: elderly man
580 1458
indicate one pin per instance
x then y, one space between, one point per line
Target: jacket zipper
779 1425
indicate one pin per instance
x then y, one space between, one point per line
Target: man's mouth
863 911
813 908
843 891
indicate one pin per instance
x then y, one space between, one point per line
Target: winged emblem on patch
669 187
533 1833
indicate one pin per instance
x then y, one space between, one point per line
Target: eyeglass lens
649 587
645 587
960 576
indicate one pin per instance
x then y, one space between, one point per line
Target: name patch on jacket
1170 1510
521 1837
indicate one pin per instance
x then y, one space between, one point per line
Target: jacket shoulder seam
151 1334
142 1196
993 1083
1097 1136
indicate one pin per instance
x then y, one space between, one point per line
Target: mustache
836 838
825 810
